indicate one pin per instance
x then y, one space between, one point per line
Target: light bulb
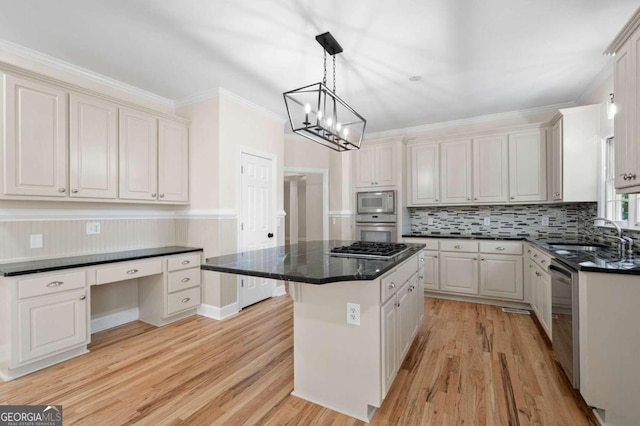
329 121
307 108
338 126
345 133
319 114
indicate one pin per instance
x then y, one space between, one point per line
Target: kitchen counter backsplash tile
565 220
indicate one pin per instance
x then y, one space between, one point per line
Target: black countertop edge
295 277
469 237
61 263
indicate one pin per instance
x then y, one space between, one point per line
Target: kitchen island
354 319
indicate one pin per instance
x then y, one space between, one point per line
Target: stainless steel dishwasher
565 320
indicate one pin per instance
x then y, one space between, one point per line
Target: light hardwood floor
471 364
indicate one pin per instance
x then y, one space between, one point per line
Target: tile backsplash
565 220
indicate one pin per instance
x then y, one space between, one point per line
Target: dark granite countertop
46 265
605 260
306 262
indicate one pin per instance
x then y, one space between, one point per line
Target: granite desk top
306 262
46 265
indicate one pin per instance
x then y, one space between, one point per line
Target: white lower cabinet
540 287
389 338
51 324
501 276
459 272
431 280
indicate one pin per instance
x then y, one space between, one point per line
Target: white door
424 174
365 173
490 169
257 226
138 156
385 162
455 179
528 166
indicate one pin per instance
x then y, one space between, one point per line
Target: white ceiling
476 57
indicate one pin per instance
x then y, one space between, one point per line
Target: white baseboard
113 320
218 313
279 290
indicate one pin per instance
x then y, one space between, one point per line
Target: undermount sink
578 246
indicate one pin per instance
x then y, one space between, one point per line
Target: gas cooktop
370 250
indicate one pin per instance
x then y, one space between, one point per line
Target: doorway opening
306 203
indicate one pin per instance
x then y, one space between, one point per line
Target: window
624 209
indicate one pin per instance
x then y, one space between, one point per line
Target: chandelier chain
334 73
324 78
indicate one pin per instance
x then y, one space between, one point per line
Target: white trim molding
279 290
208 214
218 313
340 213
30 215
50 61
113 320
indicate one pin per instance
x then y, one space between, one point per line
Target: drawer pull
132 271
55 283
500 248
392 285
186 262
184 280
458 246
422 260
538 274
186 299
83 297
535 255
543 261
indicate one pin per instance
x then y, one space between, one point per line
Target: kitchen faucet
621 241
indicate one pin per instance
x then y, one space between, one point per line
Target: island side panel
337 365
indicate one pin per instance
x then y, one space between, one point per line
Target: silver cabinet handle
422 260
55 283
410 288
186 299
468 199
75 191
475 258
435 257
632 176
392 285
437 200
458 246
557 194
476 199
184 280
512 197
153 195
482 260
500 248
538 274
132 271
535 255
398 304
186 262
83 297
161 195
543 261
528 251
62 189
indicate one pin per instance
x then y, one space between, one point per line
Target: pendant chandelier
317 113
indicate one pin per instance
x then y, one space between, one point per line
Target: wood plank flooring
470 364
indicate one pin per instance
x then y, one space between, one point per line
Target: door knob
270 235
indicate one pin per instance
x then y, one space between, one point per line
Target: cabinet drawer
48 284
388 286
500 247
430 243
182 300
539 258
459 245
186 278
183 262
407 269
128 272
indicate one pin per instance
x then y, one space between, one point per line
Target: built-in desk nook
50 307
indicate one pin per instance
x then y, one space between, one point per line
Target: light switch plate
36 241
93 228
487 221
430 221
353 313
545 220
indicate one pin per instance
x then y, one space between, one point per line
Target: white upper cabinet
138 155
93 147
528 166
376 166
35 138
456 171
626 83
424 174
574 155
490 169
173 161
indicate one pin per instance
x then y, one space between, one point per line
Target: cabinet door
528 166
490 169
556 161
385 165
365 164
417 305
431 274
424 174
455 178
533 281
459 272
633 143
501 276
93 150
51 324
625 92
138 155
389 344
35 138
404 322
544 299
173 161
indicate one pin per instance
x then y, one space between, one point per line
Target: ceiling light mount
317 113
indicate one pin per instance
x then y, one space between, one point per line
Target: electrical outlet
430 221
487 221
545 220
36 241
93 228
353 313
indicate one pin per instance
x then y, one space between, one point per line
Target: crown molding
197 97
632 24
406 131
50 61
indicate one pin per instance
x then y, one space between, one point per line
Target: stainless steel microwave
376 202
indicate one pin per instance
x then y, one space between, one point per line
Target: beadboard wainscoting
565 220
